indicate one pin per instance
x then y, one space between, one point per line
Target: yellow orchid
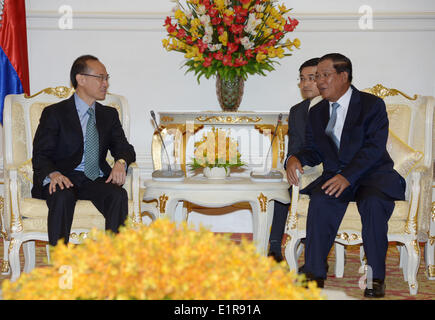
165 43
271 52
229 12
288 44
181 17
220 5
223 38
279 52
191 52
195 23
195 33
260 57
271 23
183 21
282 8
297 43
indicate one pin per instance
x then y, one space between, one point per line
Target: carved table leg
262 214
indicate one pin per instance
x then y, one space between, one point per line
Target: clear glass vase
229 93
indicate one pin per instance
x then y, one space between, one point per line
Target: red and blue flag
14 66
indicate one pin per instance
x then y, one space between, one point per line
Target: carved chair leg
404 262
402 253
429 258
413 251
362 259
47 249
291 253
300 248
5 265
29 255
14 258
339 260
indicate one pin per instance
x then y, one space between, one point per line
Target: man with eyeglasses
347 132
70 149
296 137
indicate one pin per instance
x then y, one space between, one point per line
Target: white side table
220 193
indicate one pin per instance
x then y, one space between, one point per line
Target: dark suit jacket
58 143
297 120
362 158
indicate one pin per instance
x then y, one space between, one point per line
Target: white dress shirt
341 112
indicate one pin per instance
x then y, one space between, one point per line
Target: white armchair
25 218
410 146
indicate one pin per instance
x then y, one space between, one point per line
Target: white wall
126 35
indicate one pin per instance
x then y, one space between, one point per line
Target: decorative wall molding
310 22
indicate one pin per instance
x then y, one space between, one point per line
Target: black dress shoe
377 290
320 282
310 277
276 256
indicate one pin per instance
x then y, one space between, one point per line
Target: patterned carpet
397 288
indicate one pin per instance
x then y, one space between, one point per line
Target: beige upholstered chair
25 218
410 146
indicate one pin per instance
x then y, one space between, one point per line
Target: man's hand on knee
335 185
56 178
118 174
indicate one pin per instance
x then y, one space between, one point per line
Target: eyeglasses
324 75
98 76
309 79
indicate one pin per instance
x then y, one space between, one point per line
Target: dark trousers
280 213
325 214
111 200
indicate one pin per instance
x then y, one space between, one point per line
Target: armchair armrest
292 217
132 185
12 192
18 183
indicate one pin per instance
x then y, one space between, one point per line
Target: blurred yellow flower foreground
160 261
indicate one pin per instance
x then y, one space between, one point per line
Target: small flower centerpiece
230 39
216 153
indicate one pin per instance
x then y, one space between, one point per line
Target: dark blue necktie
331 124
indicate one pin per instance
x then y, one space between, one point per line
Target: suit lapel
99 118
324 123
324 115
303 115
73 117
351 116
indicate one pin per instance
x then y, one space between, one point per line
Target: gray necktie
331 124
92 168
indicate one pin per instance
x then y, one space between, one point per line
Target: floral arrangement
160 261
216 149
232 38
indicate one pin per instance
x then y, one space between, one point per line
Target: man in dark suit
296 137
70 149
347 132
